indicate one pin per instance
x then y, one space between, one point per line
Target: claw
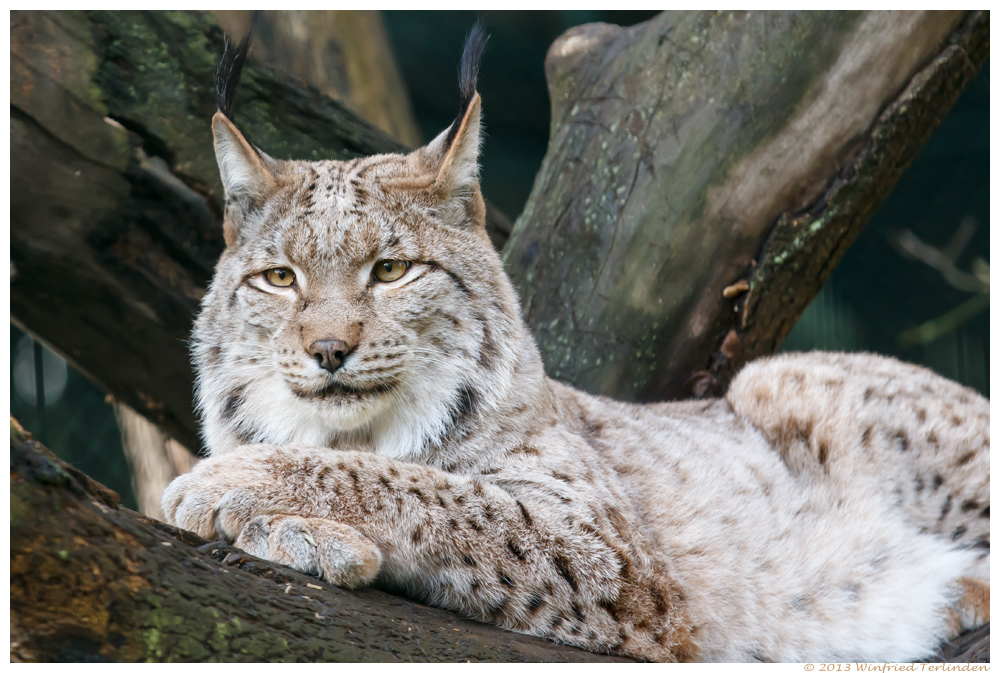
212 546
308 538
233 558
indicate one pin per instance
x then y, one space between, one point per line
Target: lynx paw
337 553
972 609
218 497
212 510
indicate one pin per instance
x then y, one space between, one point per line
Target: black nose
330 353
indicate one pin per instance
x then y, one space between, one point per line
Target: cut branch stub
675 146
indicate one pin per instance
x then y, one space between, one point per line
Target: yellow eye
279 277
388 270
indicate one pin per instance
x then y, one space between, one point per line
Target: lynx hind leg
972 608
866 419
337 553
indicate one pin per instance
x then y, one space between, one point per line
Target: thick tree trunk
93 581
700 155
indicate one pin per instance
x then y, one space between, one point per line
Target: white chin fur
311 421
419 415
398 424
282 417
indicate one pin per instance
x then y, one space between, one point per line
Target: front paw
218 498
336 552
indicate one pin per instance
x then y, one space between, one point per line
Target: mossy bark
93 581
343 53
678 149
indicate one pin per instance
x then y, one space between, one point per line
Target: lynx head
357 302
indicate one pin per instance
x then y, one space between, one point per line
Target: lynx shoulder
377 411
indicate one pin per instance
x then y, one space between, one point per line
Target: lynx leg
337 553
972 609
864 421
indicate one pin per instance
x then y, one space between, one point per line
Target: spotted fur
830 507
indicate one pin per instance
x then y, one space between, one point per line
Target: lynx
377 412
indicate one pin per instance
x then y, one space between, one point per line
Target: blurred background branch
347 55
943 260
154 458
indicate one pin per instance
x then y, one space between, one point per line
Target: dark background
873 295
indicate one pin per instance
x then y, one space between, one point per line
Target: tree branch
701 149
802 249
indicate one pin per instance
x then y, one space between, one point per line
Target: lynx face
357 302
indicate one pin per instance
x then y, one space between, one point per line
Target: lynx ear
245 175
458 147
243 168
454 154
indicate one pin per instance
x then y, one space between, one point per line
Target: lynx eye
279 277
388 270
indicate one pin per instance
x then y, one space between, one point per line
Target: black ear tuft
227 75
468 73
475 45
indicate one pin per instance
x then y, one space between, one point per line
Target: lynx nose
330 353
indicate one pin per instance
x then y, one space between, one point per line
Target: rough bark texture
344 54
93 581
115 197
803 248
700 149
